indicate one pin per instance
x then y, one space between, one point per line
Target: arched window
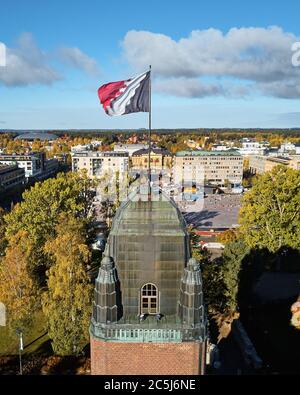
149 299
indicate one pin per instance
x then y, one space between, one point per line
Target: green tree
231 265
221 279
68 300
270 214
227 183
202 255
17 289
38 214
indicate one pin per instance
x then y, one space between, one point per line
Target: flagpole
149 135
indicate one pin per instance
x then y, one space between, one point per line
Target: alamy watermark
186 187
296 56
2 55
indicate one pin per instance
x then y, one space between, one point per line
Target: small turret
190 308
106 307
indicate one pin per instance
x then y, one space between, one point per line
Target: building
32 136
51 167
33 162
148 312
99 163
289 148
160 159
261 164
80 148
96 143
130 148
213 167
219 147
250 147
10 177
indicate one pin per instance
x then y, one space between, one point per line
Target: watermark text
296 55
2 55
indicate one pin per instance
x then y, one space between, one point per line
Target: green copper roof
137 216
208 153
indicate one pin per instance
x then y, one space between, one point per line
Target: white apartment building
80 148
252 148
214 167
289 148
32 163
99 163
130 148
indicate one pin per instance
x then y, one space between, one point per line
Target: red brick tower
148 312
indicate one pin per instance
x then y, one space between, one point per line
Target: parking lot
213 212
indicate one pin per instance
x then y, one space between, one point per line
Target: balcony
148 331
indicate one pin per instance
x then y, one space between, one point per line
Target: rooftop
145 151
208 153
137 215
31 136
89 153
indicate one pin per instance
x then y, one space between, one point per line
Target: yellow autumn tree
68 301
17 289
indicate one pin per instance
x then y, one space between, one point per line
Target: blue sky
215 64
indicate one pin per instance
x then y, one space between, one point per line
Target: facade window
149 299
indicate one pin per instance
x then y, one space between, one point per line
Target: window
149 299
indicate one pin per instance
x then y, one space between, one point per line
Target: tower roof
158 216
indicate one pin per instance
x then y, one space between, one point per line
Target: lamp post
20 333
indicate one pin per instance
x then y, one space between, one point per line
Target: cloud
259 56
289 89
187 87
76 58
193 88
27 64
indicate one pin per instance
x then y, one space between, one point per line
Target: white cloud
187 87
193 87
27 64
259 56
76 58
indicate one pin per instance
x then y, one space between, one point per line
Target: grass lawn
37 356
35 338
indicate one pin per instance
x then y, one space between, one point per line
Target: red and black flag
125 97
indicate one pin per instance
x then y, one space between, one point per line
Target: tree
3 242
38 214
202 255
227 236
17 289
68 300
221 285
270 214
227 183
232 258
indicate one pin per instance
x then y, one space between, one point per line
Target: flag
125 97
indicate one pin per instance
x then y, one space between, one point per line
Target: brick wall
110 358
